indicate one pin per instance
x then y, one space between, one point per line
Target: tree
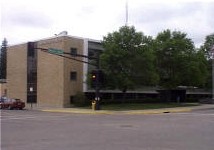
3 59
208 45
195 70
127 60
178 61
207 48
144 69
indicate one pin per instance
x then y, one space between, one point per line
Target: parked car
6 103
2 100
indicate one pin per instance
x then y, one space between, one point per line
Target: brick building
45 79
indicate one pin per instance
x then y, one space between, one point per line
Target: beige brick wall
54 86
17 72
72 87
50 85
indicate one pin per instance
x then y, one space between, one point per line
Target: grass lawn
143 106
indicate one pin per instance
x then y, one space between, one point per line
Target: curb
129 112
78 111
161 111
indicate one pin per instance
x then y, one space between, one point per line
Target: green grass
143 106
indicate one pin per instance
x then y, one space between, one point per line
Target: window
73 76
73 51
31 72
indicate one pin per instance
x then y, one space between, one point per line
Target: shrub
80 99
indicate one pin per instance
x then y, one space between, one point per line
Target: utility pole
97 85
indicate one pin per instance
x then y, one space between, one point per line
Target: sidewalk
110 112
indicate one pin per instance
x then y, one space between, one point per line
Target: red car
11 103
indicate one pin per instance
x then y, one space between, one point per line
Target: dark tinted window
73 51
73 75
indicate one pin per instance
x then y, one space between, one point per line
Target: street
36 130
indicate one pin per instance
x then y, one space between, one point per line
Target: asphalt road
36 130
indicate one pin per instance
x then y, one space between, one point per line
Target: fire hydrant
93 105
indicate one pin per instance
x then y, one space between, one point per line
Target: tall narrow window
3 61
31 73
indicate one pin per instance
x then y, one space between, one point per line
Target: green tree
195 70
144 69
207 48
127 60
3 59
178 61
208 45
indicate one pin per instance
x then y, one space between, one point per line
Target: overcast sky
28 20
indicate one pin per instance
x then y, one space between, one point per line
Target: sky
29 20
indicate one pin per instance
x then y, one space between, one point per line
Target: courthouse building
45 79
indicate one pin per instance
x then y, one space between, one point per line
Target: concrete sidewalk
148 111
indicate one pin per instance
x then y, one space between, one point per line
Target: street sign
55 51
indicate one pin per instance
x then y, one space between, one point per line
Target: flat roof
49 38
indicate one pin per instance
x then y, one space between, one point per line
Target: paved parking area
37 130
